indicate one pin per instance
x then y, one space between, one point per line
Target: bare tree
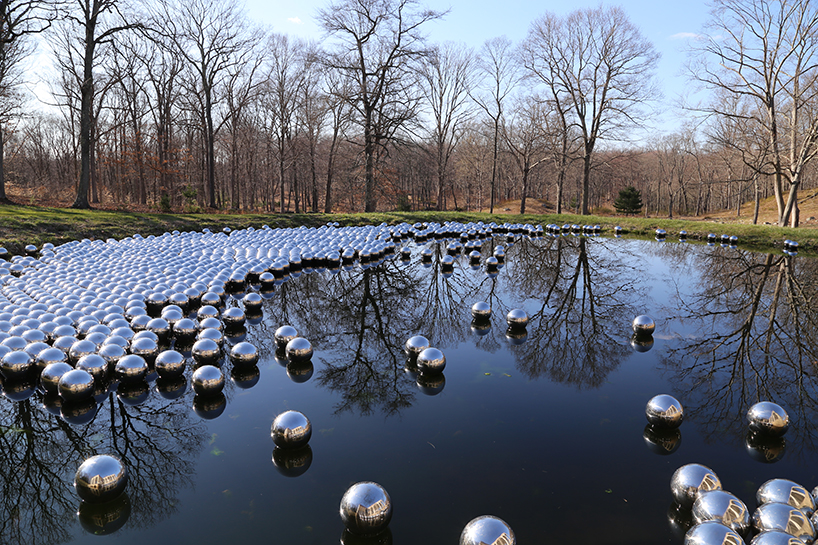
213 37
765 52
524 138
447 80
498 67
379 41
18 20
596 64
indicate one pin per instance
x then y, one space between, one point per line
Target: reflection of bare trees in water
754 317
583 297
40 452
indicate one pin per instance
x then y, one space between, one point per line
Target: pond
544 428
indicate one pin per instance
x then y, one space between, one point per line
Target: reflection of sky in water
547 434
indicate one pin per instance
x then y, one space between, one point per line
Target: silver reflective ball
517 317
76 385
722 507
712 533
691 479
95 365
285 334
366 508
431 361
131 368
15 364
291 430
768 418
170 363
51 375
643 326
481 310
207 380
206 352
233 317
780 516
299 349
244 354
100 479
487 530
785 491
664 410
415 345
775 537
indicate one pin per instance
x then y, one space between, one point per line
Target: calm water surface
547 431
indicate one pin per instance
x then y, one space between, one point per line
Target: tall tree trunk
86 101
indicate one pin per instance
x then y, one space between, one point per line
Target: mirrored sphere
691 479
768 418
170 363
431 361
207 380
50 377
95 365
664 410
643 326
244 354
785 491
481 310
131 368
712 533
299 349
16 364
100 479
517 317
487 530
284 335
780 516
206 352
722 507
366 508
415 345
291 430
76 385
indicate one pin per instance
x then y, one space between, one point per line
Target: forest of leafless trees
190 106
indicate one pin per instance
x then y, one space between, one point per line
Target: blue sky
668 25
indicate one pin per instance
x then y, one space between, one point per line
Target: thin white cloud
295 20
687 36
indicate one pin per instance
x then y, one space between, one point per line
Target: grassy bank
21 225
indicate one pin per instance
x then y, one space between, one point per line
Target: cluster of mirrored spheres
89 319
710 515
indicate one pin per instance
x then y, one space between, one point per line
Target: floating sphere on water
366 508
284 335
643 326
16 364
80 349
206 352
207 380
299 349
233 317
481 310
244 354
768 418
76 385
431 361
517 317
487 530
252 303
170 363
131 368
711 533
415 345
785 491
95 365
780 516
664 410
291 430
51 375
722 507
691 479
100 479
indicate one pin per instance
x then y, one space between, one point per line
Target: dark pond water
547 432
